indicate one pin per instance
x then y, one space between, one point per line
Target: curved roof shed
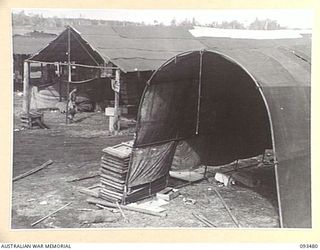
229 104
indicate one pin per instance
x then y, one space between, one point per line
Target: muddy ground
75 150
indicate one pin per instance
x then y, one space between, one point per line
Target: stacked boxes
113 172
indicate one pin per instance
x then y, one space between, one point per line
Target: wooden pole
59 81
32 171
69 77
116 123
234 219
42 219
204 220
199 93
26 87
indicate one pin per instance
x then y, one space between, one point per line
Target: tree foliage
21 19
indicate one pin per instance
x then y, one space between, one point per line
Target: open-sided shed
230 103
135 51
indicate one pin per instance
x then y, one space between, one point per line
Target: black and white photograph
161 118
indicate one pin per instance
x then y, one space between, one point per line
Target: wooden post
26 87
116 103
69 78
59 82
41 68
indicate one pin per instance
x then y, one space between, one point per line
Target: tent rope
73 64
81 82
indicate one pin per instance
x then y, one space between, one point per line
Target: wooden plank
153 205
168 193
186 175
111 193
139 210
117 181
108 184
122 163
32 171
121 153
113 174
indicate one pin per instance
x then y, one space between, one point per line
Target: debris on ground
80 178
190 176
47 216
122 213
234 219
32 171
168 193
97 216
253 207
108 208
226 179
90 192
204 220
135 209
189 201
245 179
154 205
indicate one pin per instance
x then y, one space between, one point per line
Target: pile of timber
113 172
33 119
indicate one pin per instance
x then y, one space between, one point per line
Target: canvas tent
134 50
231 103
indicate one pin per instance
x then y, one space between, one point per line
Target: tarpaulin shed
228 103
131 48
135 50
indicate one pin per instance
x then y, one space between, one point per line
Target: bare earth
75 150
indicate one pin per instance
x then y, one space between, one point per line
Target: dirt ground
75 150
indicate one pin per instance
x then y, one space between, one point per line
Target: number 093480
308 245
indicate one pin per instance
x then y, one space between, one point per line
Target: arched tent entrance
226 111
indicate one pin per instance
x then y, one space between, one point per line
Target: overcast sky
289 18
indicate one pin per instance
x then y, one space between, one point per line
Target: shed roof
134 48
29 45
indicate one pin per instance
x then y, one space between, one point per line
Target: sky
294 18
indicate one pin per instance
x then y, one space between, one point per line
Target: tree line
22 19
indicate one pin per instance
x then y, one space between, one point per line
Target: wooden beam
69 77
34 170
116 123
26 87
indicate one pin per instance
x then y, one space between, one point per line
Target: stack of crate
113 172
33 119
